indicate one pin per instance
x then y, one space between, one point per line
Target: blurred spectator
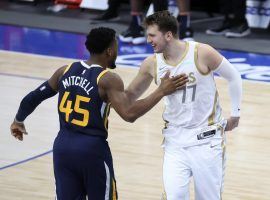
135 32
185 31
112 13
233 25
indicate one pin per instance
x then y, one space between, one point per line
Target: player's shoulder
205 48
60 71
148 64
110 79
150 59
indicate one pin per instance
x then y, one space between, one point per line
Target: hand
232 123
17 129
169 85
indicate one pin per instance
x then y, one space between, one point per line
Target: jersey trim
67 68
211 117
89 66
105 117
101 74
155 69
196 61
108 178
181 59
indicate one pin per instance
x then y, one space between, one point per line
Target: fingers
180 76
167 75
231 124
18 133
227 128
181 82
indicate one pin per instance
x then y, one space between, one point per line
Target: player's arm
29 103
142 80
113 88
219 64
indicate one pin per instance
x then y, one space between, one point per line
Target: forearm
227 71
138 86
33 99
140 107
132 96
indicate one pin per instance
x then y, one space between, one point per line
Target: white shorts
204 161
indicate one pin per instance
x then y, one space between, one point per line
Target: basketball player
82 158
194 139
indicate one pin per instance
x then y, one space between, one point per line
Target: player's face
156 38
114 53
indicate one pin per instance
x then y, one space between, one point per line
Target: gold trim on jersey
101 74
114 190
196 61
105 117
181 59
155 69
211 117
223 146
67 68
163 196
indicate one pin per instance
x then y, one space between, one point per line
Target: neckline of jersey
181 59
89 66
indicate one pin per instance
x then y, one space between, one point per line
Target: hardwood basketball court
135 147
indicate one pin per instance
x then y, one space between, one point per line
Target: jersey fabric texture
83 163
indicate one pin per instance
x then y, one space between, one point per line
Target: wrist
235 112
160 91
18 122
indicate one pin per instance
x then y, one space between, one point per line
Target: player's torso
195 105
80 107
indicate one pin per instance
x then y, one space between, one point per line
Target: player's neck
97 60
174 51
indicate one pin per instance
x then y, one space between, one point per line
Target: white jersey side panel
195 105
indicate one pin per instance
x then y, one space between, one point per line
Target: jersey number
193 88
66 107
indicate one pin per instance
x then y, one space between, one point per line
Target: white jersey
197 105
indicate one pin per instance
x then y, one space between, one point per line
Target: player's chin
112 66
156 50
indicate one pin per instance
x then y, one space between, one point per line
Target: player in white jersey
194 140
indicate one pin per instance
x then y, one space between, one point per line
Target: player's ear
109 51
168 35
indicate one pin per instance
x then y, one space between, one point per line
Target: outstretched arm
113 87
29 103
142 80
219 64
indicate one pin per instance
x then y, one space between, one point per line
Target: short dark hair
99 39
164 20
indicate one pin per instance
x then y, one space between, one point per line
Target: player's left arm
29 103
219 64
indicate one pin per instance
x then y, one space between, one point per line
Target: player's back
80 108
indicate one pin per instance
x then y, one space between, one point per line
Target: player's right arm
142 80
112 89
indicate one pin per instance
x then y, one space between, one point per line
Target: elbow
130 118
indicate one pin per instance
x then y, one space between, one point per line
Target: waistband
183 137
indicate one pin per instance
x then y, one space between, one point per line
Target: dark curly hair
164 20
99 39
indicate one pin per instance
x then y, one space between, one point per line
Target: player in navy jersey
83 164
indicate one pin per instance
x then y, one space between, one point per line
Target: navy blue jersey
80 107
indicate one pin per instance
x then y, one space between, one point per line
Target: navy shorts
83 167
